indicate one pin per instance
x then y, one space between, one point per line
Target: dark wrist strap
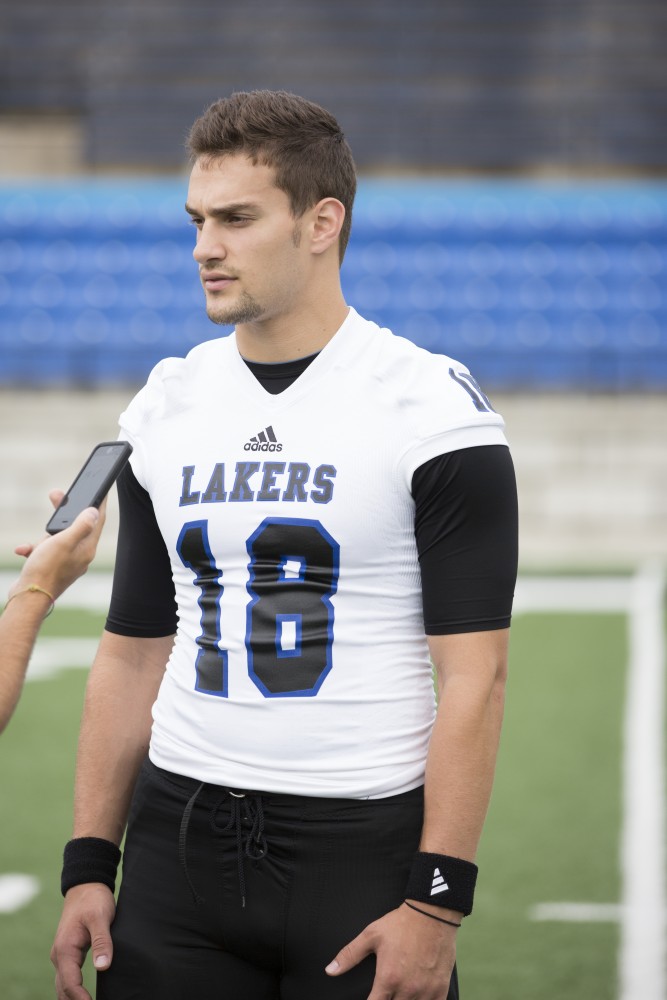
424 913
89 859
442 881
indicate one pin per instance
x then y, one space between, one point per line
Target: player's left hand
414 956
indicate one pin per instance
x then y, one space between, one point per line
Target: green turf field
552 835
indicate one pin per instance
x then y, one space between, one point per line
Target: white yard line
51 656
587 594
578 913
17 890
642 951
643 907
91 592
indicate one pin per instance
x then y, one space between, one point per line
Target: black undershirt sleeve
143 602
466 527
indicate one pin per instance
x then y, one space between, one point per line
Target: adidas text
266 440
264 446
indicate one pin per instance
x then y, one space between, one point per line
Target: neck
295 334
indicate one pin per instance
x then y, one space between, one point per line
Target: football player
316 510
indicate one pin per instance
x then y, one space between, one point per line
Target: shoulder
436 404
172 384
434 392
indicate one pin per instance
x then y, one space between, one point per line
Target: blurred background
512 213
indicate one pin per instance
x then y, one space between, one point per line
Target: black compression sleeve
466 526
143 602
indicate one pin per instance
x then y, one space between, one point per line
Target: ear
327 220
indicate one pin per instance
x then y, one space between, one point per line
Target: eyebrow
227 211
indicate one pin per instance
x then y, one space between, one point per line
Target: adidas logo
439 884
266 440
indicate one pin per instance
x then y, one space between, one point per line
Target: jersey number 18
293 573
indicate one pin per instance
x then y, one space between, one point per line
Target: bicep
128 669
466 529
143 600
135 652
476 659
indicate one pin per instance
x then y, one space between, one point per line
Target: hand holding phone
93 482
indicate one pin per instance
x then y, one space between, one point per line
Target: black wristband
89 859
442 881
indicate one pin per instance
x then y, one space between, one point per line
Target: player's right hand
85 925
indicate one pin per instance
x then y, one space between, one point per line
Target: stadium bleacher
456 85
530 284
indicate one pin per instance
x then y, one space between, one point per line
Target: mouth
216 282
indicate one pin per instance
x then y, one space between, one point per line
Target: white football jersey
300 664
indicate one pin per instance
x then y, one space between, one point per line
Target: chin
247 311
223 316
220 320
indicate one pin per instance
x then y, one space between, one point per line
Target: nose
208 246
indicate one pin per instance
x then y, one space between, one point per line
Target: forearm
19 626
462 754
115 732
460 768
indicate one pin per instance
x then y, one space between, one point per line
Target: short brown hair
301 141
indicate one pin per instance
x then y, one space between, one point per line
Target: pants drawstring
244 807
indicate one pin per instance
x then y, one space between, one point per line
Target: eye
196 221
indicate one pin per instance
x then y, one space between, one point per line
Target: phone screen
92 483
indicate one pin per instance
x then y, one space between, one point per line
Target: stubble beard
246 310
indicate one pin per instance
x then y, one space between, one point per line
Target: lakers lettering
291 482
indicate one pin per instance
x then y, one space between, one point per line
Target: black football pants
249 898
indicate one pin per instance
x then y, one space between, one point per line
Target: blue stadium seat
529 284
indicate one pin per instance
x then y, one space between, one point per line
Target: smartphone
98 474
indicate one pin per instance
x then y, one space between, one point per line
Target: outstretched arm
51 567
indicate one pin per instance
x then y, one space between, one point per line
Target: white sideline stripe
16 891
642 950
90 592
643 908
50 656
574 593
579 913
